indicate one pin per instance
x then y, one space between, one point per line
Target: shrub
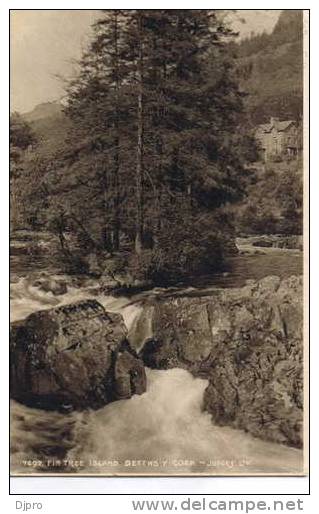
274 203
183 250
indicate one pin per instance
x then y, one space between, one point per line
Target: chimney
273 120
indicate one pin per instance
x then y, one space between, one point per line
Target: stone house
278 139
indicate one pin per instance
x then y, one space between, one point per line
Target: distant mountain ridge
50 126
43 110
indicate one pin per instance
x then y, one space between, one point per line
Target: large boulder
290 242
247 342
75 356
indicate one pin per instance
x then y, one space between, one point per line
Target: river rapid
163 431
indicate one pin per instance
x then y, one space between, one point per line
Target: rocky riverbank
247 342
262 244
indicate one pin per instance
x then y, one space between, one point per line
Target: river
163 431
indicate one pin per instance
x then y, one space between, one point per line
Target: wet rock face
76 355
247 342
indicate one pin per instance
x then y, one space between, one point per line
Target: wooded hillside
270 68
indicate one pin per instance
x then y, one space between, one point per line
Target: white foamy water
26 298
163 431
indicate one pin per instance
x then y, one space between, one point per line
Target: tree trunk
116 213
64 247
140 147
14 205
116 205
105 232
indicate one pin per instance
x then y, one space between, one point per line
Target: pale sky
44 43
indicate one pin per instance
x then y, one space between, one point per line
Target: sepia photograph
158 242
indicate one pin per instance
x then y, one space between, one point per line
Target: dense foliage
139 170
274 203
21 138
154 149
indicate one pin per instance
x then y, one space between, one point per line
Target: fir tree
157 114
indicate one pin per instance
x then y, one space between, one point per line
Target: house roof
282 125
279 125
